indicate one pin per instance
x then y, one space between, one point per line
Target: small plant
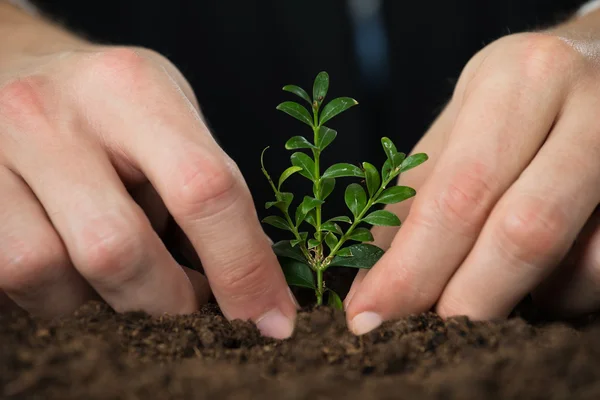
307 255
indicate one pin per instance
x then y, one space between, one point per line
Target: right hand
80 132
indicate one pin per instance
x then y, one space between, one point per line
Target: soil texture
99 354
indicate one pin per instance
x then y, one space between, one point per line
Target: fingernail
275 324
365 322
294 300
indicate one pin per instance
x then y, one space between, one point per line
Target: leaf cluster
316 244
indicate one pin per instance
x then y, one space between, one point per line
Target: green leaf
342 218
335 107
396 194
356 198
307 205
298 142
297 111
296 242
285 249
286 174
326 136
413 161
387 166
327 186
311 218
277 222
342 170
297 273
372 177
361 256
285 199
345 252
298 91
382 218
320 87
312 243
331 240
334 300
389 148
332 227
361 235
306 163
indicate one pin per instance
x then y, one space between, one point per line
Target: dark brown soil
98 354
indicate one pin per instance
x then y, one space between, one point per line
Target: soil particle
99 354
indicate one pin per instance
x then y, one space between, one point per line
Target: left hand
512 182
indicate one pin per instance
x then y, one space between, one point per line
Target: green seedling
308 254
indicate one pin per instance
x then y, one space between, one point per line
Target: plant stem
320 288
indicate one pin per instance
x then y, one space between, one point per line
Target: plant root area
99 354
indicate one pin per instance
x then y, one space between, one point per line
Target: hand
80 131
513 177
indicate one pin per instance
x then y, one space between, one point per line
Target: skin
99 144
506 204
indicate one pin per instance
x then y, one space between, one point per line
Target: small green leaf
296 242
342 170
298 142
335 107
285 199
297 111
332 227
372 177
331 240
327 186
277 222
382 218
345 252
389 148
311 218
387 166
307 205
334 300
298 91
306 163
361 235
413 161
396 194
312 243
363 256
320 87
286 174
342 218
356 198
285 249
297 273
326 136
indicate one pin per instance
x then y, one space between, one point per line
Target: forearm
23 36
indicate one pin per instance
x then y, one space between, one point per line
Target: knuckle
123 69
247 278
28 264
532 231
20 99
543 56
207 186
461 206
111 250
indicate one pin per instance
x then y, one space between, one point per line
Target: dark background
238 54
